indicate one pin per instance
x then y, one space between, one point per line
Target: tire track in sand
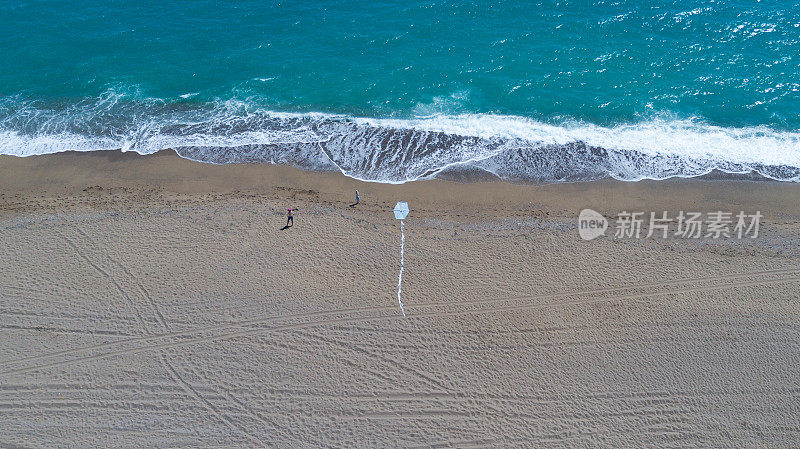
200 399
171 371
104 273
142 291
426 378
330 317
264 320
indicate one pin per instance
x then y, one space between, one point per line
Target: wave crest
397 150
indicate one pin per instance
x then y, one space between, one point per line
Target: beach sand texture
167 308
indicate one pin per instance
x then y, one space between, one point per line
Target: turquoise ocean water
393 91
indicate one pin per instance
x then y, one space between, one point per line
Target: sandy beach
152 301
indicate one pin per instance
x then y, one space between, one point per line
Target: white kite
400 213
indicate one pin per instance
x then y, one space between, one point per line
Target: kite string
400 276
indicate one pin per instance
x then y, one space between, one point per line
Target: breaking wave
395 150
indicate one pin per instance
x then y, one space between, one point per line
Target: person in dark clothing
289 218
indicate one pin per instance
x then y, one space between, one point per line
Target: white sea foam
400 150
16 144
657 137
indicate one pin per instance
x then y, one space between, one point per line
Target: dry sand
156 302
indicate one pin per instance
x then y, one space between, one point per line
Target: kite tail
400 276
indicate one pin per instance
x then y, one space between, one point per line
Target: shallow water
396 91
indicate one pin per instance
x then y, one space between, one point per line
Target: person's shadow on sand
285 227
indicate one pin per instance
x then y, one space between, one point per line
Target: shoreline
72 172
